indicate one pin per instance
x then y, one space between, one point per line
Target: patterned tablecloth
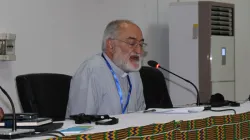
228 127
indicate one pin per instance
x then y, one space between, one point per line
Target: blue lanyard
119 87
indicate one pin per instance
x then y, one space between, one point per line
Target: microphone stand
198 95
14 133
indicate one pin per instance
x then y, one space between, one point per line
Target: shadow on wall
157 38
181 86
158 44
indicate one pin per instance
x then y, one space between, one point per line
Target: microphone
14 133
157 65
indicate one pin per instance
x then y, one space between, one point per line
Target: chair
155 88
44 93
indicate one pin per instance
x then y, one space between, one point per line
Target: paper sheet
178 110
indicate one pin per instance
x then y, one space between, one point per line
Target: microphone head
153 63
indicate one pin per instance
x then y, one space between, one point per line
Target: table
142 119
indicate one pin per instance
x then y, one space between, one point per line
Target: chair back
44 93
154 88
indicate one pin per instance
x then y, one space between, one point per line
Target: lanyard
119 87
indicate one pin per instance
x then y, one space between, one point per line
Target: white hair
112 31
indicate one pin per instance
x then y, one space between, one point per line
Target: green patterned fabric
227 127
231 131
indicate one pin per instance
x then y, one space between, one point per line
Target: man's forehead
132 34
130 28
131 31
134 38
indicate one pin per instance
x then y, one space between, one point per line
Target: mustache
138 55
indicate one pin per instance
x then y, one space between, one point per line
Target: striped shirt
93 90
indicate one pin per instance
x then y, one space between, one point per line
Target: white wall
56 36
242 50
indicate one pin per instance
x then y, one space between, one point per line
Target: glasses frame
138 43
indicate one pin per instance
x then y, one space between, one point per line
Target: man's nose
138 50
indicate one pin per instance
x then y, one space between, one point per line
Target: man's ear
108 42
110 45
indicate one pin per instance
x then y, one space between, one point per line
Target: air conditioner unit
201 49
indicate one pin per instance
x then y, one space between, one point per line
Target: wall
56 36
242 41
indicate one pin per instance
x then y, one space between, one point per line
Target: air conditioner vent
222 21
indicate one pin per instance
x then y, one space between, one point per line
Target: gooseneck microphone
14 133
157 65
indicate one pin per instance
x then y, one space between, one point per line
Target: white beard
123 61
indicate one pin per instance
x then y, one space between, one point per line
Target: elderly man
110 83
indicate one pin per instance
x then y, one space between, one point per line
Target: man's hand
1 114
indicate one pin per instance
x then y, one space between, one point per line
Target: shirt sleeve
83 95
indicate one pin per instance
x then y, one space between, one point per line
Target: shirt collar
116 69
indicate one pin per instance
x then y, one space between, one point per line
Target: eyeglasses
133 43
